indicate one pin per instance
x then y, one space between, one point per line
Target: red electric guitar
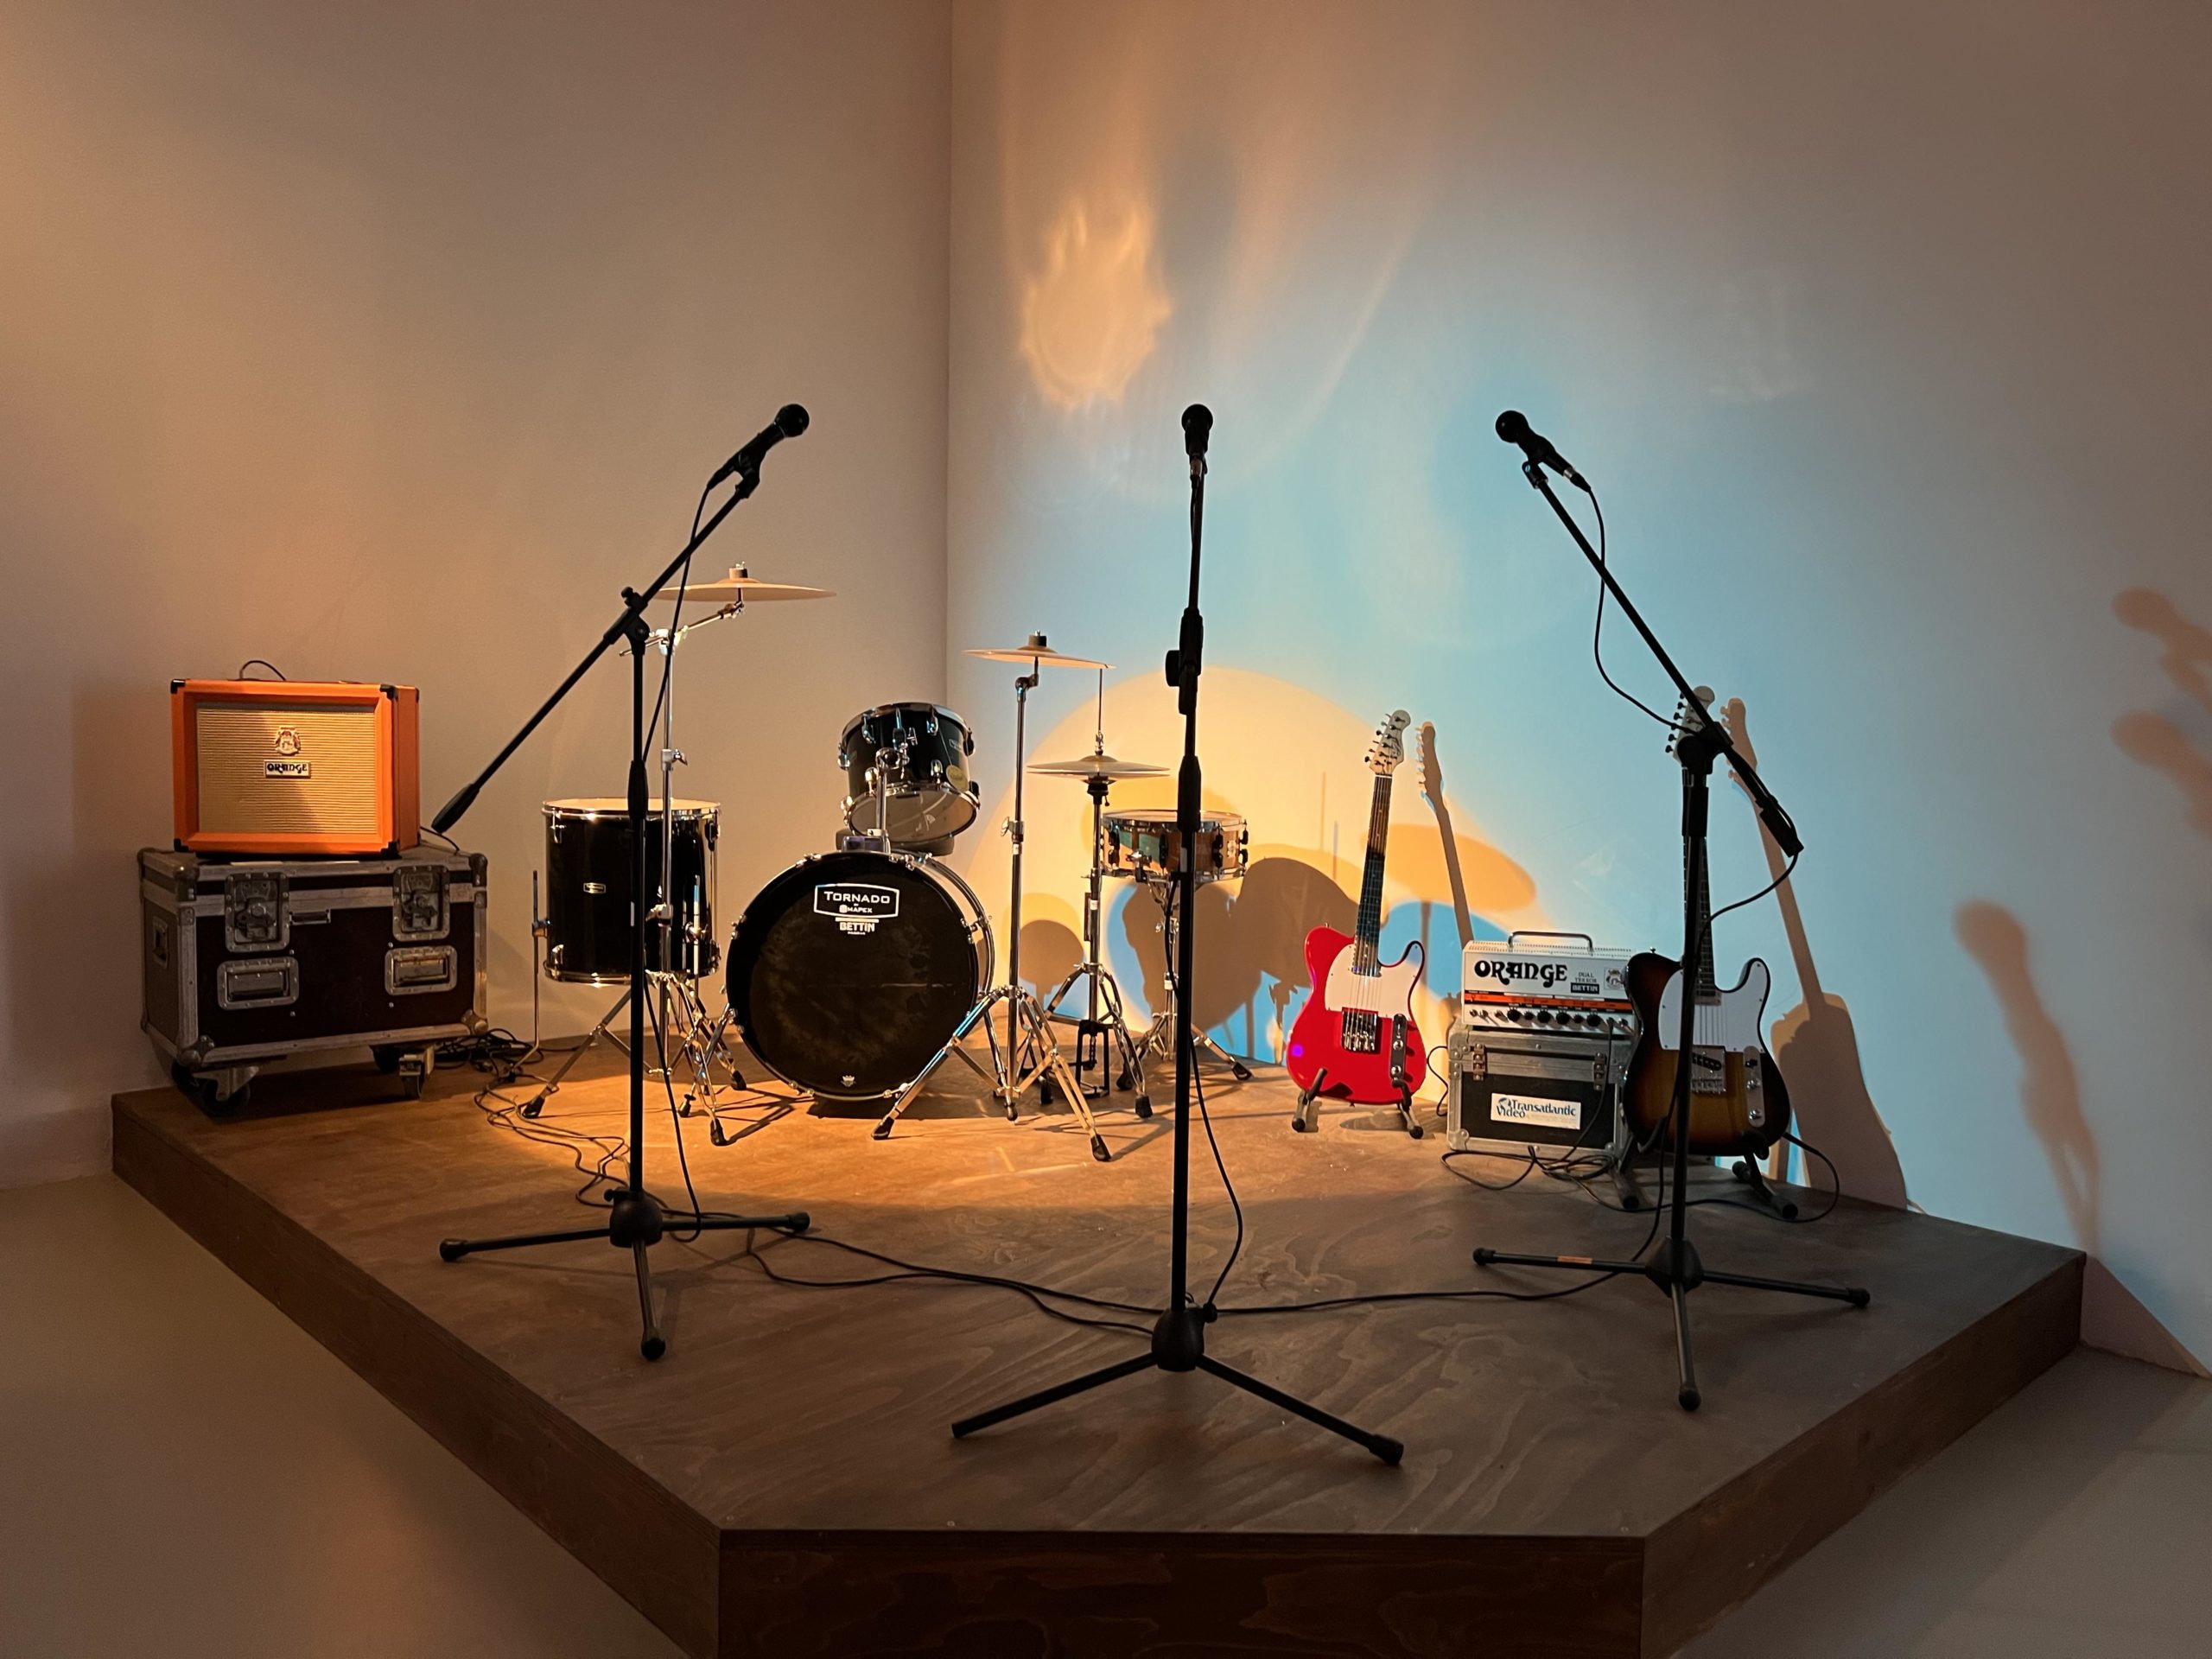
1355 1038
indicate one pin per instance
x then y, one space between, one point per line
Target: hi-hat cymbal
739 588
1098 766
1035 651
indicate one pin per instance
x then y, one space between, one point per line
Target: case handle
1588 944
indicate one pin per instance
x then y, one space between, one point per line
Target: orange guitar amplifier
294 767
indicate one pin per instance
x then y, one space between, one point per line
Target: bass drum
850 971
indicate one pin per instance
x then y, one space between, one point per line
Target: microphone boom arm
633 606
1771 810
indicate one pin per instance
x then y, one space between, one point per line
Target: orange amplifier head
295 767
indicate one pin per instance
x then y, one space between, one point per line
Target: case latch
419 907
254 911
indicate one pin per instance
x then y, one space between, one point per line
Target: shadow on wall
1817 1047
72 923
2050 1089
2154 740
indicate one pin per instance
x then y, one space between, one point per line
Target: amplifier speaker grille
240 794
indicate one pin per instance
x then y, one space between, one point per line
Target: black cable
1188 1013
683 584
904 1272
1598 632
675 1117
262 661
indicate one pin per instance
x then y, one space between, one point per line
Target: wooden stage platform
783 1483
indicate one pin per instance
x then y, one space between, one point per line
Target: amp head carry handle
1588 944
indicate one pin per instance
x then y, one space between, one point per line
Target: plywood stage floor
783 1481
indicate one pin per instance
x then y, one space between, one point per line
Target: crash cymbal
1035 651
739 588
1098 766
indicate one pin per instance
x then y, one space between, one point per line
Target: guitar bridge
1708 1072
1362 1032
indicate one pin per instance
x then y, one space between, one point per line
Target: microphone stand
635 1219
1179 1337
1672 1265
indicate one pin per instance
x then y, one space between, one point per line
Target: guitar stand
1305 1117
1748 1173
1673 1266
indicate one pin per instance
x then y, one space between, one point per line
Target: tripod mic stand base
1673 1268
635 1222
1179 1344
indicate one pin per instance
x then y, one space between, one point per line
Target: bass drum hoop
980 937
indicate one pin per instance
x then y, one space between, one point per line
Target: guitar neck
1368 940
1707 983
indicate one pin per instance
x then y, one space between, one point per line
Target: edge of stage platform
794 1591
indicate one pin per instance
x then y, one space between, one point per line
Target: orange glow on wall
1090 318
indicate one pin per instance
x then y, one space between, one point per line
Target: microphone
1197 427
1513 426
790 420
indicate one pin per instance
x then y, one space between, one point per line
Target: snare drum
1148 846
922 752
588 868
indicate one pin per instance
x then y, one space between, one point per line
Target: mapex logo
857 905
1508 970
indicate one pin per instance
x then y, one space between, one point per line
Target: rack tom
921 752
588 877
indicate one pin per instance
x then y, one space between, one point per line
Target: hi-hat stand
1179 1342
636 1219
1102 1035
1672 1265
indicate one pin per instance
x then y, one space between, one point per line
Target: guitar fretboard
1367 947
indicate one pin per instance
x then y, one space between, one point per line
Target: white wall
1882 328
389 342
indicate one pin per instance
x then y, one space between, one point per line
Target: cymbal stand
1102 1042
684 1030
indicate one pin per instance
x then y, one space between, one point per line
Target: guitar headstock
1692 715
1733 715
1389 748
1431 769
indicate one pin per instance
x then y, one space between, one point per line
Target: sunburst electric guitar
1737 1102
1355 1039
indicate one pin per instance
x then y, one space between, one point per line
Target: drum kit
855 974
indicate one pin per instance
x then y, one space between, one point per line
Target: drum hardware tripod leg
636 1219
535 1103
1052 1063
1159 1037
